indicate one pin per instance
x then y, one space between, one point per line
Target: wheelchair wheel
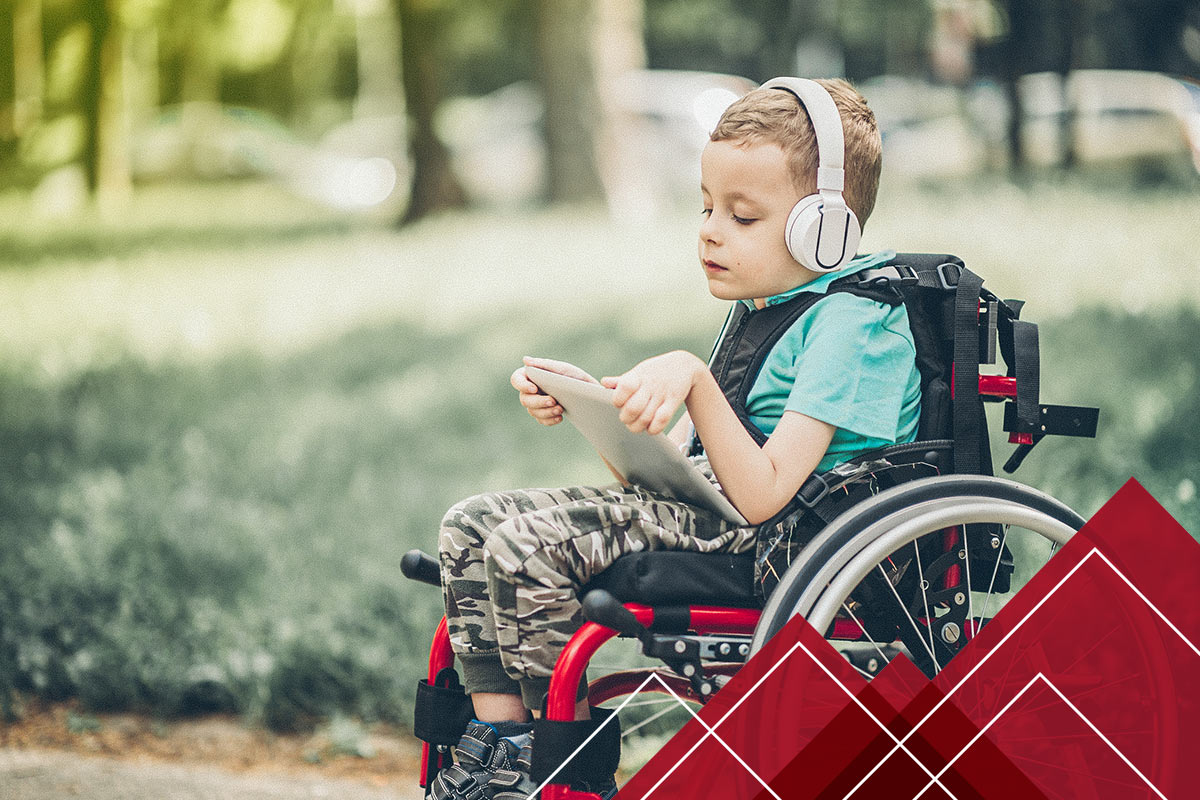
880 578
899 568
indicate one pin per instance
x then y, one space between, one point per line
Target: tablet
653 462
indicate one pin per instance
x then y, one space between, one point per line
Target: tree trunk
1068 30
618 47
105 158
573 112
201 65
313 63
434 186
29 69
1020 21
377 47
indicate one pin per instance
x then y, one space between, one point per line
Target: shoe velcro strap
509 784
475 751
555 742
455 783
442 709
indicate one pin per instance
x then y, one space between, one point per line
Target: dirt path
56 775
58 753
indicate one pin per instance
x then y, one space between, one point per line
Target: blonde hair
775 116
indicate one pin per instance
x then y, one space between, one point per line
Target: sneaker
479 754
515 783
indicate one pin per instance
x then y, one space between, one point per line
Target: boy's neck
807 276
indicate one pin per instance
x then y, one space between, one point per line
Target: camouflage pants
513 562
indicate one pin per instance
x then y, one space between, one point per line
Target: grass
224 417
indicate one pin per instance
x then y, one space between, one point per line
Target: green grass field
225 416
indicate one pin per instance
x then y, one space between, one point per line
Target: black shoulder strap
969 421
749 336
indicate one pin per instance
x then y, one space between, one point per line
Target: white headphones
822 233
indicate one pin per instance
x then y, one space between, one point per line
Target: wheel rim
823 598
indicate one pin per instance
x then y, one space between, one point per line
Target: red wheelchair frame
574 659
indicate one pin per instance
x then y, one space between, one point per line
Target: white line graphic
1070 705
678 699
899 741
712 730
1093 552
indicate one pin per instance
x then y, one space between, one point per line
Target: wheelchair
909 549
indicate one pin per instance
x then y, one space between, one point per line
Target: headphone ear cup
803 227
822 241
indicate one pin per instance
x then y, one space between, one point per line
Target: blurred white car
1119 116
500 156
355 167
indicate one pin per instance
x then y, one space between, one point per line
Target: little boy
842 380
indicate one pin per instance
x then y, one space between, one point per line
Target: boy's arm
759 481
681 431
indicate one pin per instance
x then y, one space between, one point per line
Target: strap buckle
813 490
948 275
889 277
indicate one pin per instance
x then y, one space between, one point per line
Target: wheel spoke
967 569
858 622
937 666
924 592
987 601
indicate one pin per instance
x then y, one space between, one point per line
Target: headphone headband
827 125
822 232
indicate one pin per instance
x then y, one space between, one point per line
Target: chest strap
749 336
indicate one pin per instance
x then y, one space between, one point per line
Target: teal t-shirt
848 361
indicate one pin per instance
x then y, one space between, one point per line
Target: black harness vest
748 337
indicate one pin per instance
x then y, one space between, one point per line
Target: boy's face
748 195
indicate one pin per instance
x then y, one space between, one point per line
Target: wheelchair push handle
602 608
419 566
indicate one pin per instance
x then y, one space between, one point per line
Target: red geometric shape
1086 685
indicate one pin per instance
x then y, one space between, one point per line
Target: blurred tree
707 35
313 65
781 23
377 50
200 70
29 70
1144 34
106 146
567 76
434 187
618 47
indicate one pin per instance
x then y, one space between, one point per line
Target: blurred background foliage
267 264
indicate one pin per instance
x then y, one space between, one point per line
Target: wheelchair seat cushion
675 577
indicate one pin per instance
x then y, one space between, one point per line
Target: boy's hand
541 406
650 393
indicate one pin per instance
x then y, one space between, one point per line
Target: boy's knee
499 553
463 524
